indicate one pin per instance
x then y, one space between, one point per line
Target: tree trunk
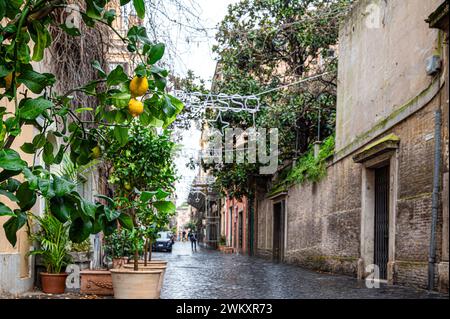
145 251
136 259
150 250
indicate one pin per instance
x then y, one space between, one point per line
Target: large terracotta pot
150 266
130 284
96 282
53 283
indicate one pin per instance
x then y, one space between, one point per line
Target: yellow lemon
138 86
135 107
96 152
127 186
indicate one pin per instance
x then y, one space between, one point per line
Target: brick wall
324 219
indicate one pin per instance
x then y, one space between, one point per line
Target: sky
198 57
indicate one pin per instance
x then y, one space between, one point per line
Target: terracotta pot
96 282
130 284
53 283
150 267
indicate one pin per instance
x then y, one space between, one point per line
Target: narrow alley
209 274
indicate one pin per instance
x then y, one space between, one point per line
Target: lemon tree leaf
121 134
28 148
117 76
164 206
40 42
32 108
156 53
75 32
47 155
35 81
96 65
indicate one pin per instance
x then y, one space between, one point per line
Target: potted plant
81 253
117 247
148 211
54 247
222 243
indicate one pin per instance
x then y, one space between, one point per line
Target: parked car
163 243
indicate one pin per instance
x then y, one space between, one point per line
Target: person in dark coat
193 238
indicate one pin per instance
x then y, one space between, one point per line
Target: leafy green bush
53 239
83 247
309 168
119 244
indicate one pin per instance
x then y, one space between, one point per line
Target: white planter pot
141 284
151 266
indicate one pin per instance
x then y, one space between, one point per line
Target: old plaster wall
383 46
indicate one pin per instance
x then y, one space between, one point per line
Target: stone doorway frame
381 153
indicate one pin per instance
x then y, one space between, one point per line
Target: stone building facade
375 204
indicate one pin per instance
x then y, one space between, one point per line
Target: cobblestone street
211 274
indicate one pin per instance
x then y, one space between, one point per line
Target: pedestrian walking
184 236
193 238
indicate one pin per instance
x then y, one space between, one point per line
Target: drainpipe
435 199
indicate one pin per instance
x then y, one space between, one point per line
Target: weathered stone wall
383 46
382 89
324 219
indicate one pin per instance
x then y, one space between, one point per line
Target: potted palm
54 247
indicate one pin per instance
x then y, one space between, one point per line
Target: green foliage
119 244
53 239
309 168
24 38
264 44
191 225
144 162
83 247
189 83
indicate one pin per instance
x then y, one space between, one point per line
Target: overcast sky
196 56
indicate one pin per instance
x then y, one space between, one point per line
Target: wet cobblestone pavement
211 274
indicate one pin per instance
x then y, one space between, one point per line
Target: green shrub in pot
54 247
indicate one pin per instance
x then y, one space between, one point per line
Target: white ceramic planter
141 284
152 266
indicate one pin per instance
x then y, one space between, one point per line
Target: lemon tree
143 176
24 37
